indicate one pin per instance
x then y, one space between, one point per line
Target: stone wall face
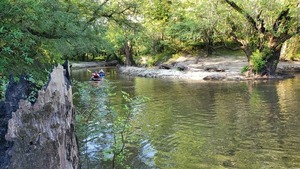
43 134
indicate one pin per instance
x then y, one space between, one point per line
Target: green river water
194 125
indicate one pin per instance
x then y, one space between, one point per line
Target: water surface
191 125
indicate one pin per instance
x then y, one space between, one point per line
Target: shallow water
191 125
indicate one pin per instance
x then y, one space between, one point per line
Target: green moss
3 86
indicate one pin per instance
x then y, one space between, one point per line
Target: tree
122 25
193 25
155 18
290 49
261 27
35 35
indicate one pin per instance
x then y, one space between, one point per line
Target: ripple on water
147 153
217 125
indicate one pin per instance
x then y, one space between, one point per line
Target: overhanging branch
96 11
43 34
262 23
242 12
282 18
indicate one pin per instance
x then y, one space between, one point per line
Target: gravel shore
215 68
192 68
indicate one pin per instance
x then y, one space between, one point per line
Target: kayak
96 78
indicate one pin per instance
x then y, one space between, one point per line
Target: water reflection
214 125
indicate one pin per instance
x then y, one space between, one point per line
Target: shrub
258 61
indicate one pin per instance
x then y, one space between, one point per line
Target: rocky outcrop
41 134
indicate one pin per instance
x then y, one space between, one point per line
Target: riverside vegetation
37 35
103 129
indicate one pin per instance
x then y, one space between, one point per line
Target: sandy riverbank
214 68
211 68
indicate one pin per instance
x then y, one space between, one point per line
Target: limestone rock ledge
43 133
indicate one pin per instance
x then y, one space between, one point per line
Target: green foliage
258 61
97 117
162 57
38 84
292 50
87 118
265 25
245 69
20 49
227 52
120 119
3 85
35 35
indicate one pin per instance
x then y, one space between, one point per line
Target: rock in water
42 135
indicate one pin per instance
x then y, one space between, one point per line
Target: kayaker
101 73
95 74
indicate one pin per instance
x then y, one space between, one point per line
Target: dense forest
35 35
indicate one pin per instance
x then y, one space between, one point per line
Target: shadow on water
191 125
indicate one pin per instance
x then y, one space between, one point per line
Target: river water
193 125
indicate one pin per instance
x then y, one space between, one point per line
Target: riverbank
193 68
214 68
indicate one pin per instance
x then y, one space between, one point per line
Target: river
194 125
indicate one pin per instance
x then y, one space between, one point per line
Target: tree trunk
129 54
209 42
247 51
271 63
209 46
263 48
283 55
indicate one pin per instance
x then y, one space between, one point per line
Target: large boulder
41 134
165 66
215 77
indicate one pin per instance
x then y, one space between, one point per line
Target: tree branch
262 28
108 15
96 11
43 34
283 15
242 12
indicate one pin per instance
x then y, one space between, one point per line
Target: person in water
101 73
95 74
